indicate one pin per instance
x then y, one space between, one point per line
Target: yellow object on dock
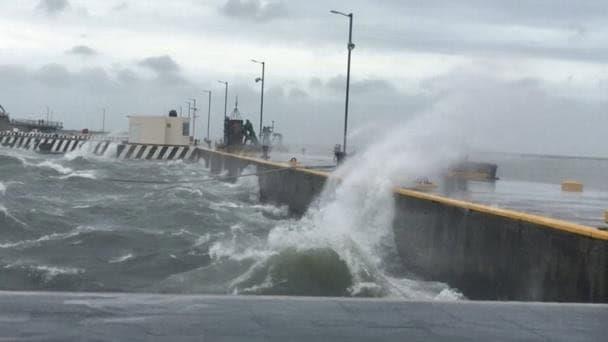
606 216
572 186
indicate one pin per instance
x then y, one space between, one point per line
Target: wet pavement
141 317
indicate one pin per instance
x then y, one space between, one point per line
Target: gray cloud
78 96
555 29
82 50
166 69
127 76
254 9
54 75
519 115
536 13
338 83
160 64
298 94
516 116
120 7
52 7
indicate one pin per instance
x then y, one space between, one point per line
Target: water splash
55 166
353 218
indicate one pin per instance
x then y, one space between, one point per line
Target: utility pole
208 115
262 96
103 120
350 47
194 109
225 98
48 113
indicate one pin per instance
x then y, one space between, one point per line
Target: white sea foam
54 166
53 271
110 152
49 237
49 272
2 189
120 259
201 240
281 211
83 206
224 205
88 174
8 214
84 151
190 190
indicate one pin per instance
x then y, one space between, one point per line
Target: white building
159 130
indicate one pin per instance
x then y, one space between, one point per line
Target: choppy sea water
65 226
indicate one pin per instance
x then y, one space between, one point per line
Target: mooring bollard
572 186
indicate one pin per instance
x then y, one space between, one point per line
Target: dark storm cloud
55 75
166 69
76 96
52 7
254 9
82 50
160 64
556 29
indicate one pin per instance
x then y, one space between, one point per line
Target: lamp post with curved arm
225 98
208 114
350 47
262 79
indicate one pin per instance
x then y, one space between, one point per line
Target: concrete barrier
487 253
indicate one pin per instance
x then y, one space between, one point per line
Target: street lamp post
262 79
225 98
103 121
351 46
208 114
194 109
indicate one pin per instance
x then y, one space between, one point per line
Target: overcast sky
519 76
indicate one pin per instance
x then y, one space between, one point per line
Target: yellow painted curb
547 222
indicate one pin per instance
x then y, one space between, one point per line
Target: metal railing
38 123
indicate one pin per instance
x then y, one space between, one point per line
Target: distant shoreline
546 156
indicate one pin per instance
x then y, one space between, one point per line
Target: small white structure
159 130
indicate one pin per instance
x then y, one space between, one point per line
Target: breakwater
98 145
488 253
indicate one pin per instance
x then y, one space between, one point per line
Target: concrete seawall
487 253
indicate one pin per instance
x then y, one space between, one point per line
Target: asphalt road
141 317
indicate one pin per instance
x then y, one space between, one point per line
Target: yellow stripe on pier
547 222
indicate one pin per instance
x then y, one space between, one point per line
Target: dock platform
143 317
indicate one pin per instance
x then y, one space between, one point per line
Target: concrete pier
487 253
141 317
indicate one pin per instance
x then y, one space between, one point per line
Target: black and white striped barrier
41 143
53 143
99 147
156 152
